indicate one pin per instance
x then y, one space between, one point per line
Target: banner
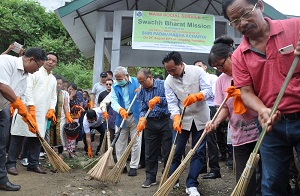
170 31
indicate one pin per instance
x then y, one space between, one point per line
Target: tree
29 24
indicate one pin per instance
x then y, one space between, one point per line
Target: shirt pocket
285 62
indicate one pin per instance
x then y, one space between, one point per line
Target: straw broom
171 156
111 160
252 162
104 142
56 162
169 184
100 170
115 174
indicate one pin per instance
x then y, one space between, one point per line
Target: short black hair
108 79
73 85
199 61
227 3
91 114
37 53
175 56
158 76
58 77
54 54
110 72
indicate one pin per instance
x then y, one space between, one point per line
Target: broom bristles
115 174
92 162
100 170
56 162
241 186
167 167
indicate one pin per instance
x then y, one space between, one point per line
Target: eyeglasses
245 16
144 81
108 84
37 64
220 67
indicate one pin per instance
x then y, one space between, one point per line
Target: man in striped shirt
157 128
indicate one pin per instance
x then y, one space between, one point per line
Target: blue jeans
196 163
276 155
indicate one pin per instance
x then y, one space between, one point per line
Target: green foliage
26 22
75 73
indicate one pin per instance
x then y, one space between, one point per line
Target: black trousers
15 147
4 132
158 135
213 150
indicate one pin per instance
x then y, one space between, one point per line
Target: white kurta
40 92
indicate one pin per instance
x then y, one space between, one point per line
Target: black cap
103 74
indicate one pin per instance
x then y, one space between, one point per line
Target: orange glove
32 111
51 115
11 110
105 115
91 104
192 98
18 104
177 126
90 153
141 125
68 117
152 102
32 126
238 105
22 110
123 113
137 89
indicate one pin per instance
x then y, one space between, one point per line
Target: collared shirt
266 74
114 99
97 89
12 74
204 83
97 123
160 109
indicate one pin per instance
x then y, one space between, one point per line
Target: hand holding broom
252 162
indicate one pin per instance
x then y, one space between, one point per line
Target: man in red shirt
259 69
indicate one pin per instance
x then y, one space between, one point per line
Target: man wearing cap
97 89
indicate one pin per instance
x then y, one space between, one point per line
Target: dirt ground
78 183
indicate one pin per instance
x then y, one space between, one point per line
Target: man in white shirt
13 75
187 86
41 98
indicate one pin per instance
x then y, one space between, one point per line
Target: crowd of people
35 100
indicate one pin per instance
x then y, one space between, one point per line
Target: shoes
12 171
9 187
148 183
132 172
176 185
24 162
125 170
42 155
36 170
204 169
211 176
229 164
192 191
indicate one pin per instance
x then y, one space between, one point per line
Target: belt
291 116
159 117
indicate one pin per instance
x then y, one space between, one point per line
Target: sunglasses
108 84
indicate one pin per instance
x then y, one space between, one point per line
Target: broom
100 170
169 184
171 156
56 162
115 174
252 162
103 145
111 162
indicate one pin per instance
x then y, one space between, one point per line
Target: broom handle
276 104
37 131
123 121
